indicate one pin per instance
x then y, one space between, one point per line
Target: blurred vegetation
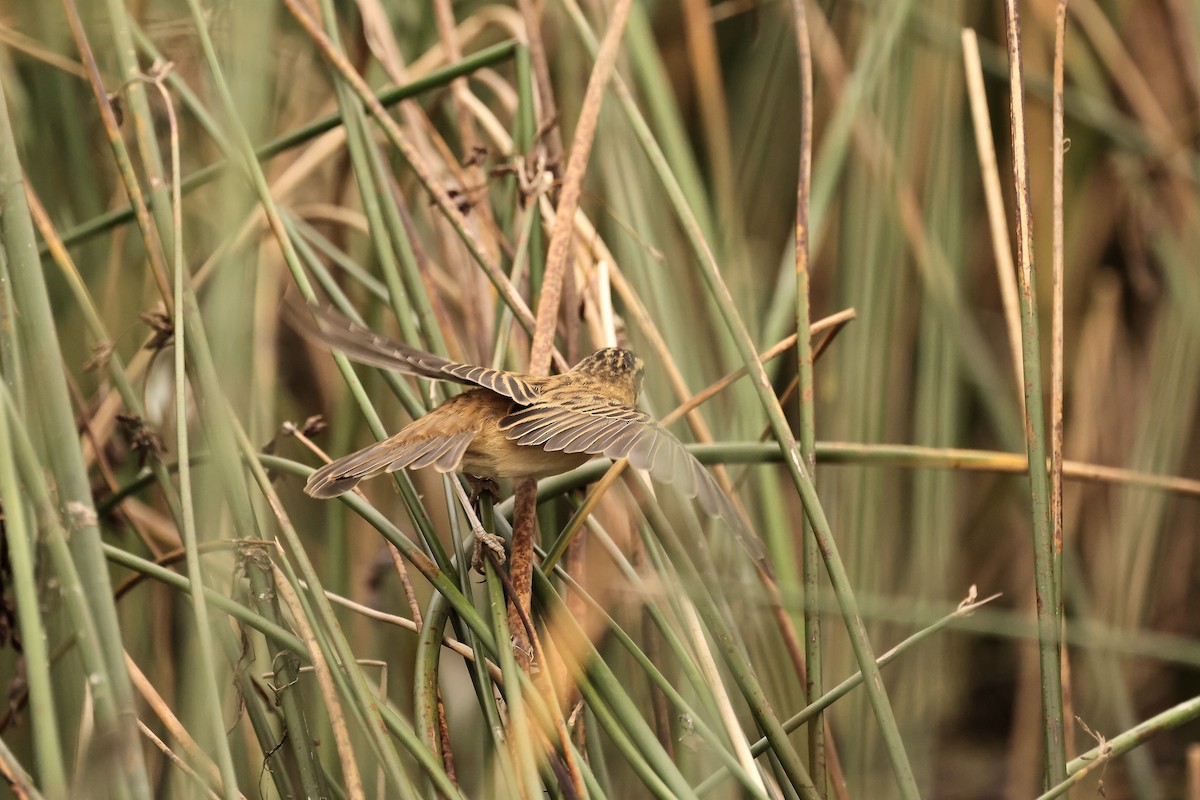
180 620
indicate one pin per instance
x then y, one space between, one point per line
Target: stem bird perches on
557 261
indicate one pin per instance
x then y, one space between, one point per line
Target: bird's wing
361 344
443 452
599 426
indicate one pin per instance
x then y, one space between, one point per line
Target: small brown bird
513 425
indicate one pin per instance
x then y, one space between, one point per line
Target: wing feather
444 453
363 345
422 455
452 456
577 439
605 427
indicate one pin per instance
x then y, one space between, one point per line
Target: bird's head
619 368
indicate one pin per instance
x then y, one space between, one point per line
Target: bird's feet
481 486
485 542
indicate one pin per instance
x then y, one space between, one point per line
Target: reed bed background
180 620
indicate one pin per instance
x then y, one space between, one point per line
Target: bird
514 426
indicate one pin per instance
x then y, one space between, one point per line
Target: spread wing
402 451
599 426
361 344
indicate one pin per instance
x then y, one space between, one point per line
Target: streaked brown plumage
512 425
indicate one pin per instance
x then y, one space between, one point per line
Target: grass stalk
195 569
804 366
47 391
21 536
1049 601
75 594
389 96
743 172
814 709
839 578
1108 749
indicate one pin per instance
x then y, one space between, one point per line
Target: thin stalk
608 698
1006 271
655 84
425 683
524 141
1049 601
804 366
815 707
75 596
719 291
562 232
1058 269
195 569
750 783
158 198
892 455
1108 749
488 57
735 658
399 226
272 631
518 734
178 762
426 692
719 695
286 665
20 536
124 162
47 388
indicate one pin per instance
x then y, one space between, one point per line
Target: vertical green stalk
725 639
523 147
195 569
605 695
1044 558
47 393
20 537
779 427
157 201
804 366
369 712
75 597
361 147
518 732
654 83
719 292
